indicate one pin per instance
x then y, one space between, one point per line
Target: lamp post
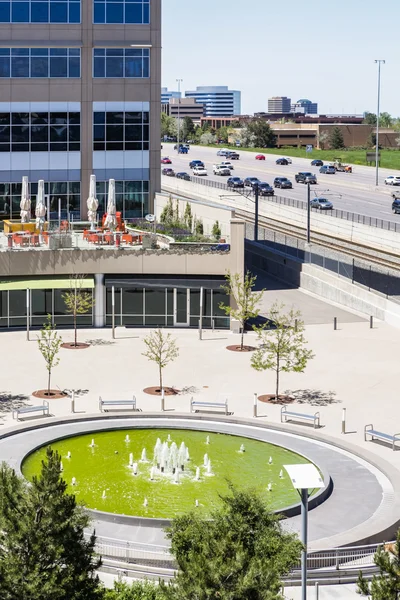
378 62
179 81
256 199
304 477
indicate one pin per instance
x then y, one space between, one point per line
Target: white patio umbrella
40 211
92 203
25 204
111 220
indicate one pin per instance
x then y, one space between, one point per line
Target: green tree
239 552
322 139
167 125
162 349
43 550
370 118
49 345
188 217
138 590
216 231
223 134
198 226
260 133
167 213
386 585
208 138
187 128
283 347
77 301
336 140
243 301
371 140
385 120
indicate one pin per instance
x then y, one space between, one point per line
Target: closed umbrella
92 203
111 219
25 204
40 211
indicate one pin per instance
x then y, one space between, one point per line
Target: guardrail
302 205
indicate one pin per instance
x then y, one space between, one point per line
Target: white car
288 159
226 163
199 171
221 170
392 180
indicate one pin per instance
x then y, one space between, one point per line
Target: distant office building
166 95
218 100
304 106
184 107
279 104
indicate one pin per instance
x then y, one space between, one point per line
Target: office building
184 107
166 95
305 107
279 104
218 100
80 94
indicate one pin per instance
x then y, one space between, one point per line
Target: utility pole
256 195
179 107
378 62
308 214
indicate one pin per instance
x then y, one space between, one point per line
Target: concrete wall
321 223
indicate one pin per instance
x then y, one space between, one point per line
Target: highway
355 192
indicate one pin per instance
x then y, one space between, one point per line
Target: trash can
10 241
118 240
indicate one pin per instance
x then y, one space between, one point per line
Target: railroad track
360 251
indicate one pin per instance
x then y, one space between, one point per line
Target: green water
105 467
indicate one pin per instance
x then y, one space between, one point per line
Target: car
199 171
196 163
282 182
317 162
221 170
183 175
251 181
396 206
183 150
321 203
227 163
392 180
233 156
166 161
169 172
328 170
235 182
264 189
260 157
222 152
281 161
288 159
305 177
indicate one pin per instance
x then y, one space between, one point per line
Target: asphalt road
355 192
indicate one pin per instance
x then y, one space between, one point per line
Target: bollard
344 420
317 590
255 406
334 323
371 322
162 400
73 402
200 331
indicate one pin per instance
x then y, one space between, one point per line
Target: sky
297 48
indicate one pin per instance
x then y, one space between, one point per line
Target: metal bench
44 408
197 405
296 416
386 437
114 404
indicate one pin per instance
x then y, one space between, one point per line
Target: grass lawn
390 159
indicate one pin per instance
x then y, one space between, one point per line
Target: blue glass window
40 62
128 11
126 62
120 131
39 132
40 11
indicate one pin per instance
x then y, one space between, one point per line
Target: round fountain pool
161 473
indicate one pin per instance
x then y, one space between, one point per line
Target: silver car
321 203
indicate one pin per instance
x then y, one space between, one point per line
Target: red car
166 161
260 157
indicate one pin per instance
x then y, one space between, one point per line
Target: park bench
386 437
43 408
116 404
297 416
197 405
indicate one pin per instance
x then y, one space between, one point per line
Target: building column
99 301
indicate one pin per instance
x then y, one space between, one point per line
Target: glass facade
40 62
40 132
122 11
166 307
41 11
42 303
132 198
121 62
121 130
68 191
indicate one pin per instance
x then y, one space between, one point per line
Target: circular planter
237 348
53 395
271 399
72 346
156 391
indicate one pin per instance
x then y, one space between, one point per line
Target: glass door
181 307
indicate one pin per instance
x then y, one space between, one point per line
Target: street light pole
308 214
256 196
179 106
378 62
